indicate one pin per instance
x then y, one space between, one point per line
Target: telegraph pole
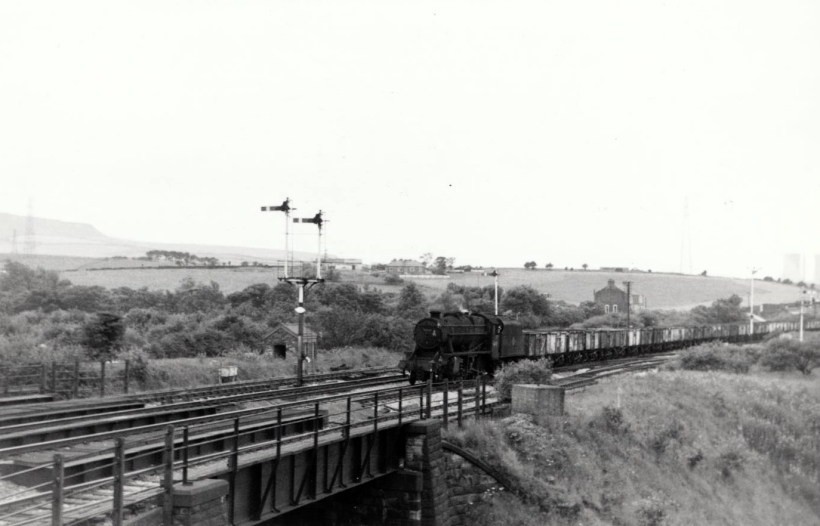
628 302
495 295
802 302
752 305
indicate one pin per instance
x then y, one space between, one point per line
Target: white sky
493 132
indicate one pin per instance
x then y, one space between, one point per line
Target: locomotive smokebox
427 333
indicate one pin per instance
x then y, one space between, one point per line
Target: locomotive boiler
454 345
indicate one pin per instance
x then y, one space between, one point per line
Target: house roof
404 263
290 330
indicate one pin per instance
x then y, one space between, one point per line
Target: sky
494 132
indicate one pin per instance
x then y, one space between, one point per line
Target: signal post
301 282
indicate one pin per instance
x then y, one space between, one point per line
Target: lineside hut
284 337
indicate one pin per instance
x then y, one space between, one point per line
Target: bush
783 354
393 279
718 356
612 420
523 372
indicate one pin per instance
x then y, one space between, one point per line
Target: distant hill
662 291
62 238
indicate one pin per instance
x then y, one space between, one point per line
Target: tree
426 258
703 273
548 266
725 310
524 299
412 303
530 265
103 335
584 266
440 265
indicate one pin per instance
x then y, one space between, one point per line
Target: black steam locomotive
457 344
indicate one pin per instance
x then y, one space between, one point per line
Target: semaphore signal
284 207
318 221
301 282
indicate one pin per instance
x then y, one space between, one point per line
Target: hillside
662 291
62 238
664 448
75 248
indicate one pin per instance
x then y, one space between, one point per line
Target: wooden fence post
477 399
127 370
76 378
446 404
430 396
460 401
102 379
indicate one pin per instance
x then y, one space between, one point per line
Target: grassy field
662 291
666 448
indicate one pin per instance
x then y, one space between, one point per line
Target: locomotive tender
461 345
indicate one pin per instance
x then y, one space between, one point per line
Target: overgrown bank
667 448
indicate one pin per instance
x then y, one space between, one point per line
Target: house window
606 309
614 308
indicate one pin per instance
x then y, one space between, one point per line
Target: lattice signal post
302 283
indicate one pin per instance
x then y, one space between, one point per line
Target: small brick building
614 299
284 338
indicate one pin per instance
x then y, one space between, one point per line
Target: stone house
614 299
405 266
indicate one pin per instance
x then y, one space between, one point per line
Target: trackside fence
68 379
122 484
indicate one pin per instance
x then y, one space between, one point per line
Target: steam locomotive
454 345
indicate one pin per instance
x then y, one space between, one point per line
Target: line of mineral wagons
457 344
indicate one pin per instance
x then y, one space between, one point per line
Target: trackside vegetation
778 353
523 372
660 448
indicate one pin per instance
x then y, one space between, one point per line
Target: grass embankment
183 373
665 448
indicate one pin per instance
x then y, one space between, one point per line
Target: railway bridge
372 457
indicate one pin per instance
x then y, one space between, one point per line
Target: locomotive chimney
436 314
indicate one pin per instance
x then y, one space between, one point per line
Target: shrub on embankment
522 372
778 353
661 449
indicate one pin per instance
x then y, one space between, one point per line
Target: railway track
62 432
70 408
583 376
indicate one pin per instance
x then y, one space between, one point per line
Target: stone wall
471 488
436 487
202 503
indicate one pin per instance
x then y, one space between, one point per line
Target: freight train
454 345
